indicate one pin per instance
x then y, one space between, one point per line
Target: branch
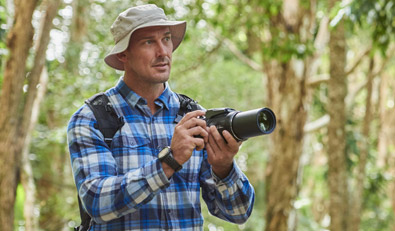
317 124
201 59
383 64
233 48
320 42
323 78
350 97
358 62
317 80
51 10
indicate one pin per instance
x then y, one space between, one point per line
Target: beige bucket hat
136 18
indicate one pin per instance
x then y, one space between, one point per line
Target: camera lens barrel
242 125
252 123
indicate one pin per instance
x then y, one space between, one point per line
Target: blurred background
326 68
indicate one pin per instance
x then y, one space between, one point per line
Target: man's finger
198 131
194 122
193 114
232 142
212 139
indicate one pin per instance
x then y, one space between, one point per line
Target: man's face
148 57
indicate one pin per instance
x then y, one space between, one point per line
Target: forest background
326 68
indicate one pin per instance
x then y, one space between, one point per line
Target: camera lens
252 123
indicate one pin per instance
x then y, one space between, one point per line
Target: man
149 177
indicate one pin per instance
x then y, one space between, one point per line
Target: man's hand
221 153
185 138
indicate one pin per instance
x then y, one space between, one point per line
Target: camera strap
186 105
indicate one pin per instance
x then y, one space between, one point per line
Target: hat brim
177 30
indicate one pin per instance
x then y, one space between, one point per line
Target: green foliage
240 19
319 98
284 48
18 208
378 215
378 17
221 84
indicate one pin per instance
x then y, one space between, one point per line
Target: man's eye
148 42
167 39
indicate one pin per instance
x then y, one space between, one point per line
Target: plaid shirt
123 187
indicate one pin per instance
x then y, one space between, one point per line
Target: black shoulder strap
108 123
186 105
85 218
107 120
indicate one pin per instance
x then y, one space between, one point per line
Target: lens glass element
263 121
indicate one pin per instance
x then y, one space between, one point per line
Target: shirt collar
165 96
133 98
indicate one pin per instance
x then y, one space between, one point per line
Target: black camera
242 125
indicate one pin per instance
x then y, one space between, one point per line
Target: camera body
242 125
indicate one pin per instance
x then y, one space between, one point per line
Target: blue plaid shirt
123 187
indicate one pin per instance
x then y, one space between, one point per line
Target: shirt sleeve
231 198
106 195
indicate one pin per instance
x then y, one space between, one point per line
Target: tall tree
16 122
386 144
289 64
337 91
19 41
36 91
360 175
78 30
280 33
377 19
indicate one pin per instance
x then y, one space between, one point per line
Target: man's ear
121 57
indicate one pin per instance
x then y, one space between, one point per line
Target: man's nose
162 50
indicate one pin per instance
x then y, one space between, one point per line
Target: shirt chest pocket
130 152
129 142
130 137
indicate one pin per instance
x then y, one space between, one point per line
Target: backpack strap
187 104
108 123
85 218
107 120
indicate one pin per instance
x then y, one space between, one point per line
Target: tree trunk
288 97
384 139
337 91
51 7
18 42
36 91
77 33
357 199
386 142
27 179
